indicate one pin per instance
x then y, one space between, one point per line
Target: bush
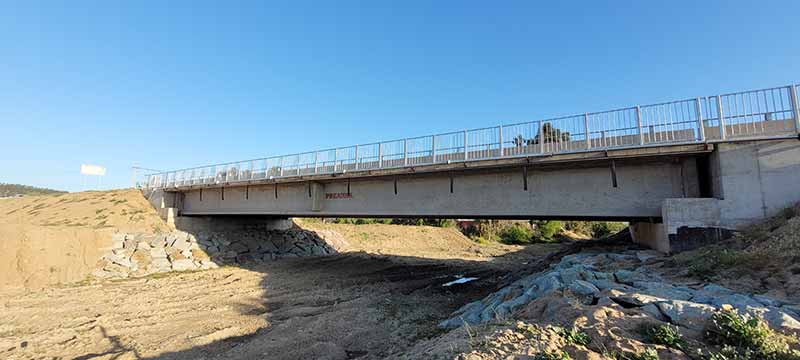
549 229
747 337
649 354
602 229
516 235
575 336
563 355
665 334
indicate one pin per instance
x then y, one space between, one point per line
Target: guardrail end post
701 127
795 107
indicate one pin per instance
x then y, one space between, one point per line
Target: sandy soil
56 239
420 241
352 305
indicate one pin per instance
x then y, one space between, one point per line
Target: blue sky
177 84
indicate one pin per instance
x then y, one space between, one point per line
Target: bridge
683 172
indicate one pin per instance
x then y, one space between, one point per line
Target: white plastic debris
460 281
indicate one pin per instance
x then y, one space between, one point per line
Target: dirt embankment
55 239
404 240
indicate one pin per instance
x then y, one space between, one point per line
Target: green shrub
745 337
575 336
552 356
549 229
516 235
665 334
649 354
602 229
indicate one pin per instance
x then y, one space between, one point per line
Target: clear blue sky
190 83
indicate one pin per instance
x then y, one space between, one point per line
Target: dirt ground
375 300
352 305
56 239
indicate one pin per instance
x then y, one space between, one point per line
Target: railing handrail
712 105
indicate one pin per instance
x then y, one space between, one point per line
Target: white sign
93 170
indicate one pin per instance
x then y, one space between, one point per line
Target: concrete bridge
683 172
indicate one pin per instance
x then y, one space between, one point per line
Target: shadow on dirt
362 306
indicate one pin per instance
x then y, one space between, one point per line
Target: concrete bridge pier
750 182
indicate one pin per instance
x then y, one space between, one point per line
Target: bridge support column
687 223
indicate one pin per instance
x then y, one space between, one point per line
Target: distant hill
9 190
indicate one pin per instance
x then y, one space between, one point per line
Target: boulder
663 290
183 265
585 288
782 321
688 314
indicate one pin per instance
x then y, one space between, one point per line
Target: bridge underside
605 185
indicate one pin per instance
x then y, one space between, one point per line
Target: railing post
795 107
466 141
335 157
701 130
316 162
433 148
639 124
721 115
586 130
281 165
380 155
356 166
500 128
541 136
405 152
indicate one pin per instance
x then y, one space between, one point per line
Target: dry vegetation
762 259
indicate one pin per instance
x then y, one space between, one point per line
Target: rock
663 290
768 301
782 321
652 310
605 301
646 255
688 314
119 260
158 253
183 265
629 277
181 244
584 288
237 247
161 265
740 302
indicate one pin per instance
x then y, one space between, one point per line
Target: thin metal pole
466 140
501 140
701 130
433 147
541 137
586 130
281 164
316 162
380 155
335 156
639 123
795 107
721 115
357 157
405 152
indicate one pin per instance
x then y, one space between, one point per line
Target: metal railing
764 113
